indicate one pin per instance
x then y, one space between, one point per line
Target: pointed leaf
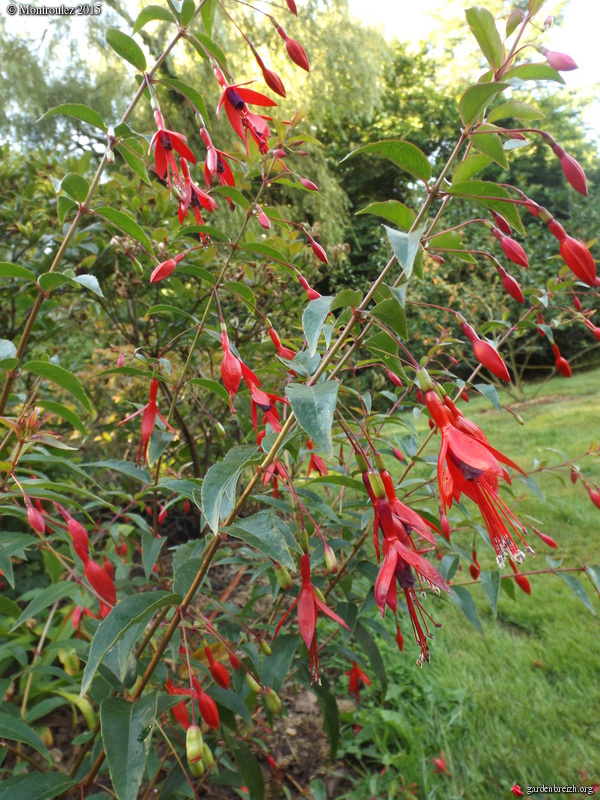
46 598
261 532
126 224
274 669
331 715
8 270
313 319
314 407
78 111
17 731
125 614
405 246
150 13
470 166
483 26
577 588
476 98
490 583
392 210
491 196
75 186
369 645
221 479
35 786
516 109
391 313
126 467
127 735
490 144
249 769
62 377
134 162
127 48
465 602
534 72
403 154
187 91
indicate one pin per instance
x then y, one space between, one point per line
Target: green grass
520 702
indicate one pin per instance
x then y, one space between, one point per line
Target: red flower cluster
149 413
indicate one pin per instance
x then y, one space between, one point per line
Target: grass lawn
520 702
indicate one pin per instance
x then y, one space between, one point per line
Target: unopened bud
220 430
312 187
194 744
253 685
377 485
207 757
330 559
284 579
265 647
272 701
303 540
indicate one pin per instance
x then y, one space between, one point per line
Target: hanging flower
149 413
164 142
357 676
235 99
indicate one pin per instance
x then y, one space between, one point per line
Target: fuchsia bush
305 480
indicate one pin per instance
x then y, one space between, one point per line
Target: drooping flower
282 352
235 99
511 285
470 465
180 711
294 49
217 670
562 365
309 604
311 293
511 248
101 581
167 267
216 162
357 676
164 142
231 370
34 517
195 198
561 62
579 259
266 402
316 463
484 352
149 413
521 580
572 169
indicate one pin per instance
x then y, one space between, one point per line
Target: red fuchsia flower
263 220
546 539
271 78
167 267
484 352
409 519
561 62
469 465
312 187
282 352
164 142
398 454
217 670
309 604
511 285
356 677
216 163
194 198
501 223
294 49
180 711
316 463
440 763
511 248
34 517
474 568
231 370
149 413
579 259
399 639
264 401
291 4
235 98
594 328
562 365
81 542
394 378
521 580
101 581
594 495
311 293
445 526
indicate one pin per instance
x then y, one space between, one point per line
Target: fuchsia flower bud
311 293
291 4
312 187
511 248
474 568
294 49
263 220
35 519
579 259
318 250
558 61
546 539
399 640
273 81
81 543
208 708
186 506
521 581
501 223
484 352
217 670
101 581
445 526
167 267
594 329
121 360
577 303
571 168
511 285
562 365
162 516
394 378
398 454
594 495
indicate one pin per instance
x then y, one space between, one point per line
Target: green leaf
125 614
244 292
464 601
369 645
483 26
487 193
516 109
313 319
261 532
331 715
127 48
535 5
193 231
218 489
89 282
134 162
314 407
476 98
46 598
490 144
391 313
171 311
126 467
490 583
127 735
126 224
191 94
231 700
274 669
7 349
403 154
347 298
8 270
470 166
64 204
534 72
392 210
35 786
212 386
451 240
151 547
17 731
593 574
150 13
577 588
515 18
187 11
385 348
405 246
233 194
249 769
78 111
75 186
187 489
62 377
267 250
489 390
